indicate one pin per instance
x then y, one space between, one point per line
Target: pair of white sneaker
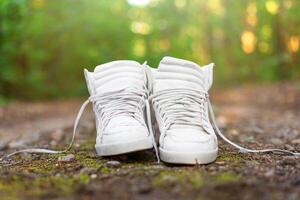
124 93
130 99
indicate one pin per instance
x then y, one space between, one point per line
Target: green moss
92 163
88 145
53 156
84 178
137 166
51 186
193 178
188 179
225 156
225 177
37 178
105 170
40 167
85 160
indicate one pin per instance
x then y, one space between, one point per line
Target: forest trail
256 117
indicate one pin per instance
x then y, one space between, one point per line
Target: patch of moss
189 179
84 178
92 163
225 177
105 170
85 160
53 156
225 156
136 165
88 145
50 186
45 177
41 167
192 178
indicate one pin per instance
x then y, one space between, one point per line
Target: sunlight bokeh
272 7
257 39
138 2
248 40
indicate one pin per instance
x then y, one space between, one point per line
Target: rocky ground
254 116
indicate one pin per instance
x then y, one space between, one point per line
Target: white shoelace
179 116
123 102
193 113
240 148
179 107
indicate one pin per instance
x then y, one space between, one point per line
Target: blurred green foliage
45 44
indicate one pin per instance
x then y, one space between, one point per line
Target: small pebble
257 130
270 173
57 135
289 147
77 145
296 141
93 155
26 156
53 143
276 141
88 170
222 121
67 158
220 162
234 132
113 163
3 144
93 176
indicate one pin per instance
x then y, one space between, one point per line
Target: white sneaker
119 92
180 103
182 109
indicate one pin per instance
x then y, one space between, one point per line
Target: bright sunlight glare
138 2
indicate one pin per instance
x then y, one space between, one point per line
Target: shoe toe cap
122 134
190 142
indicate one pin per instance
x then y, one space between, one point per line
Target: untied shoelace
193 94
192 112
120 108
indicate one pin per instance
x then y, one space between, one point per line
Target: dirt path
258 118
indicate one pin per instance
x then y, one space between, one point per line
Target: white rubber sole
124 147
188 158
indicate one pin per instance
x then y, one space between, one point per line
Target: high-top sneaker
119 92
180 94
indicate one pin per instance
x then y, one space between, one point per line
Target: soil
254 116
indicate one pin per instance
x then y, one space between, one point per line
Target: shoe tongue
176 73
118 75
